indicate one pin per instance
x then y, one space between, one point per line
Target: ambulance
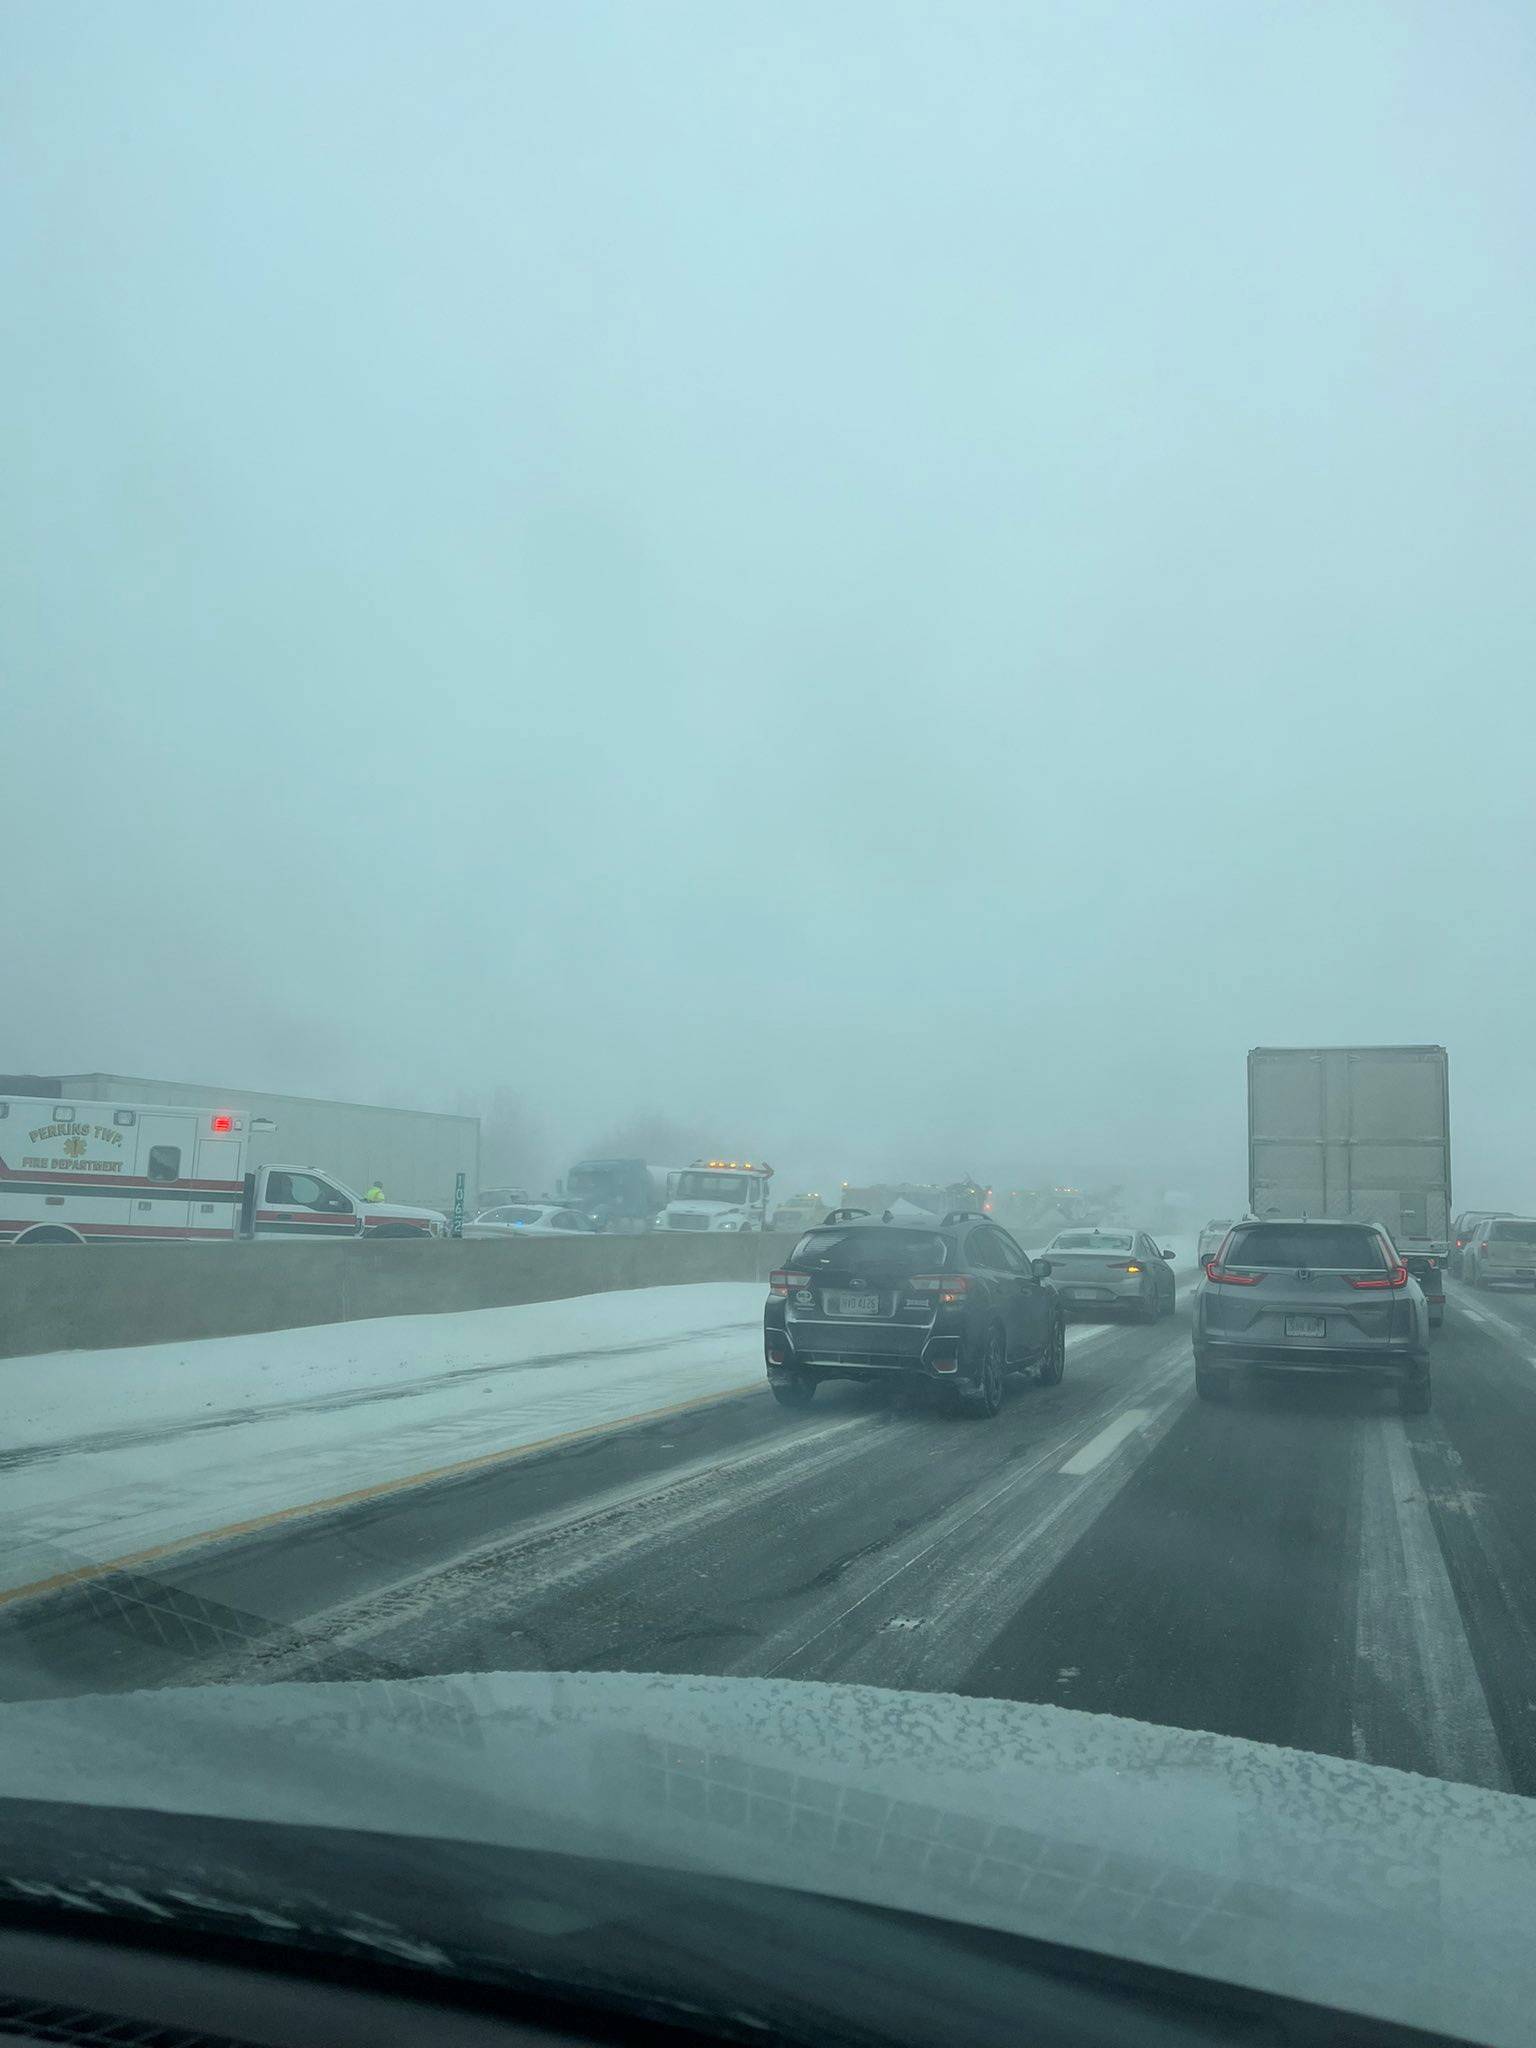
86 1172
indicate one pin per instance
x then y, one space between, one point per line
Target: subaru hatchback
1312 1297
958 1307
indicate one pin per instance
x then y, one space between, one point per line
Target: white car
1213 1237
528 1219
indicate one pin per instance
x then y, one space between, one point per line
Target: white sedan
528 1219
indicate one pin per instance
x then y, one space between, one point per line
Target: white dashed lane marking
1108 1441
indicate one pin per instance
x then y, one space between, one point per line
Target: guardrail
90 1297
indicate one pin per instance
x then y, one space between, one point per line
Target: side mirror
1165 1255
1041 1268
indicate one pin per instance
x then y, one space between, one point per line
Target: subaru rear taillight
1395 1276
1219 1276
947 1286
781 1283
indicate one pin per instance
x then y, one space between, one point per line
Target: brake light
1395 1276
222 1124
947 1286
781 1283
1218 1275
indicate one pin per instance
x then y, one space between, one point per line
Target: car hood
404 1209
1344 1883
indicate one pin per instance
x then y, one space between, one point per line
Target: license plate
853 1304
1304 1326
1085 1293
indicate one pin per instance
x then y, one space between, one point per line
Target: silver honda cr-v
1311 1296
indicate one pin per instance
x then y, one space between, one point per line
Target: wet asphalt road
1304 1566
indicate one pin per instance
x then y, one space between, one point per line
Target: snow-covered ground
108 1454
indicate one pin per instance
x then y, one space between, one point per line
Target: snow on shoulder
116 1453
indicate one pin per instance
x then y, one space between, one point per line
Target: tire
798 1392
986 1397
1414 1396
1053 1359
1213 1382
1151 1311
1436 1318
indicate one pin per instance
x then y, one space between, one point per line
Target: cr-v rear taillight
1395 1276
1220 1276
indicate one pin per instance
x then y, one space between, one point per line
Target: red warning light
222 1124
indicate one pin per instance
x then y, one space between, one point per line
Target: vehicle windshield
1332 1247
598 1180
983 552
714 1187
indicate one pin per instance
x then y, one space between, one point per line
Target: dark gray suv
1312 1297
955 1306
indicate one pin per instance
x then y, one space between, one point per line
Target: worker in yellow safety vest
374 1194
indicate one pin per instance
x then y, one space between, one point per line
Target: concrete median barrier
89 1297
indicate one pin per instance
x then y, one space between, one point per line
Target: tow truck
719 1194
86 1172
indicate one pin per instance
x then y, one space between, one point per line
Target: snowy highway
1304 1566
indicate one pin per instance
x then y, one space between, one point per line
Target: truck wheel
1414 1395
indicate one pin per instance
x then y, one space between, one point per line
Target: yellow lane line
361 1493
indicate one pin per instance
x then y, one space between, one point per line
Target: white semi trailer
1356 1130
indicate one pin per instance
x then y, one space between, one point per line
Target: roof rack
843 1215
965 1216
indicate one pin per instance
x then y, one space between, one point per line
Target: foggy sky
898 583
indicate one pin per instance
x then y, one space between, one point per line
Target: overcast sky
897 582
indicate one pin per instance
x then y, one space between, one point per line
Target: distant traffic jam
1336 1267
1336 1270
